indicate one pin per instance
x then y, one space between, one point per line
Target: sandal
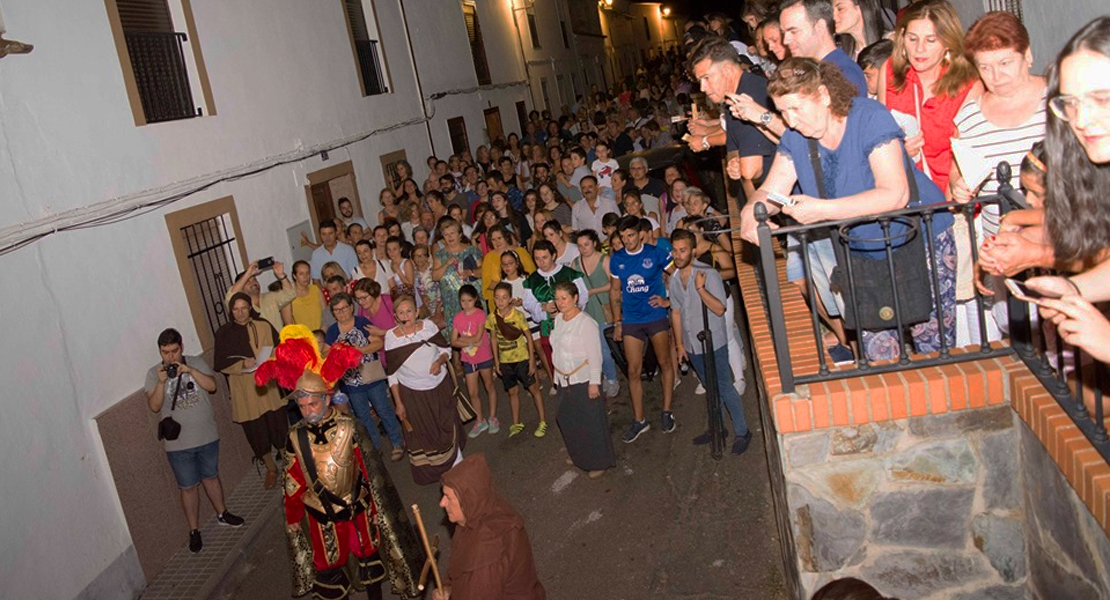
541 429
271 480
515 428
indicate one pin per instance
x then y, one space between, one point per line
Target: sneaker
668 421
702 439
541 429
554 390
479 427
494 426
700 390
397 453
515 428
596 474
841 354
230 520
634 431
740 446
195 543
611 388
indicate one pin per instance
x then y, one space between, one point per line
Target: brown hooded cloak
491 557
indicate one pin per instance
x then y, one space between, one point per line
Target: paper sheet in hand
263 356
974 166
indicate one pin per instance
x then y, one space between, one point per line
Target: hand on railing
1081 325
807 209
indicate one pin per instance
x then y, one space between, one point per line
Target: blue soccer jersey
641 277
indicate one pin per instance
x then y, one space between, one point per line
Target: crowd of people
540 261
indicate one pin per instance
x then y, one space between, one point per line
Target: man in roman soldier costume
338 493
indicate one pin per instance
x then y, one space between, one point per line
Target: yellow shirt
491 271
510 351
308 309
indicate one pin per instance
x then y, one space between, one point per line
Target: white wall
81 308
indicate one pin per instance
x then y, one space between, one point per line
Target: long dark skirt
437 433
585 428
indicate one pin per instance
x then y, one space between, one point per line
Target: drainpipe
416 72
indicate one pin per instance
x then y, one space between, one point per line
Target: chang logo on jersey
636 285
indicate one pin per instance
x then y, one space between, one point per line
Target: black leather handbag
168 428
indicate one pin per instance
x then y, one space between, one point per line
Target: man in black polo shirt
719 73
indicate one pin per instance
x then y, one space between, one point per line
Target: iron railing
369 64
158 63
1076 381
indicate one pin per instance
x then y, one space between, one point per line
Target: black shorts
514 373
645 331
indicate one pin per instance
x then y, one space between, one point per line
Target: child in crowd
604 165
468 334
514 274
871 59
609 228
515 356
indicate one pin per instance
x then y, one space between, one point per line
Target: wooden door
321 202
493 123
521 115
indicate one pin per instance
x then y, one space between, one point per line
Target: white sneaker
554 390
700 390
611 388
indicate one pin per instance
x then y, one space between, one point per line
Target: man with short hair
651 189
268 304
178 387
496 182
347 211
571 193
718 71
331 249
619 141
808 29
637 297
539 293
693 287
588 212
541 174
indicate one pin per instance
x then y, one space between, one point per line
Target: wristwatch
765 118
705 142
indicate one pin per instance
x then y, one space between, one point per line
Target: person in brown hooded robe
491 557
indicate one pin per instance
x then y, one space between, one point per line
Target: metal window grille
158 62
366 49
477 46
1010 6
214 260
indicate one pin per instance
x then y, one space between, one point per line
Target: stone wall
923 508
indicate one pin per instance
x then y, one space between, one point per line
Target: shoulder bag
863 247
168 428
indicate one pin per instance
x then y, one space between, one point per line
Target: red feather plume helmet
298 354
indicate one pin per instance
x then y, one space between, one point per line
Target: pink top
384 317
469 325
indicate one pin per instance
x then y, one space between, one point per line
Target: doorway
493 124
326 189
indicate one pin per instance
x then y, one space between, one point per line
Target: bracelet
701 288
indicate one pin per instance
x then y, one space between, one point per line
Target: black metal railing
158 63
1075 380
369 64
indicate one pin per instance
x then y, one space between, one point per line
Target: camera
171 370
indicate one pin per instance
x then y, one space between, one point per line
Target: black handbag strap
819 173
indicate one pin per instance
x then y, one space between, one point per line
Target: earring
947 56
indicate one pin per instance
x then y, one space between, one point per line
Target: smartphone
780 200
1020 290
266 263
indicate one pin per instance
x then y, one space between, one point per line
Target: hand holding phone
780 200
1020 290
266 263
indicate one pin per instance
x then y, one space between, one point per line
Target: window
160 58
546 96
533 30
210 253
457 129
1011 6
521 115
477 46
647 29
563 29
371 74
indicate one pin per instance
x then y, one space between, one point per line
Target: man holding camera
178 389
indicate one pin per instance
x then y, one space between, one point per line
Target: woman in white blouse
423 394
576 357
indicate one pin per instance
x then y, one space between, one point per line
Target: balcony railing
158 62
373 79
1073 377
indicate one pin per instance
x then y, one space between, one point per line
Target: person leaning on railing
864 165
1077 212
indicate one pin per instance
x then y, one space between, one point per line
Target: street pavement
668 522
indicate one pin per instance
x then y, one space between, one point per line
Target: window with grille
477 46
158 60
1010 6
210 253
371 71
533 30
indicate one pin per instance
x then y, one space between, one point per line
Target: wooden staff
427 566
427 546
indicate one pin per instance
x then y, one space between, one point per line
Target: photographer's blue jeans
608 367
376 395
725 389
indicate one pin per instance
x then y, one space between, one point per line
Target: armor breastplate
336 465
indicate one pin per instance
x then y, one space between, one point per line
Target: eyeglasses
1066 108
362 298
339 307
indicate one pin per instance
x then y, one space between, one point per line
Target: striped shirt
998 144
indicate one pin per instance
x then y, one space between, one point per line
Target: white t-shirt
603 170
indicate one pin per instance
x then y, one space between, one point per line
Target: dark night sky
731 8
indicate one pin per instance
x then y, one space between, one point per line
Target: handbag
168 428
863 248
371 371
462 402
606 308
